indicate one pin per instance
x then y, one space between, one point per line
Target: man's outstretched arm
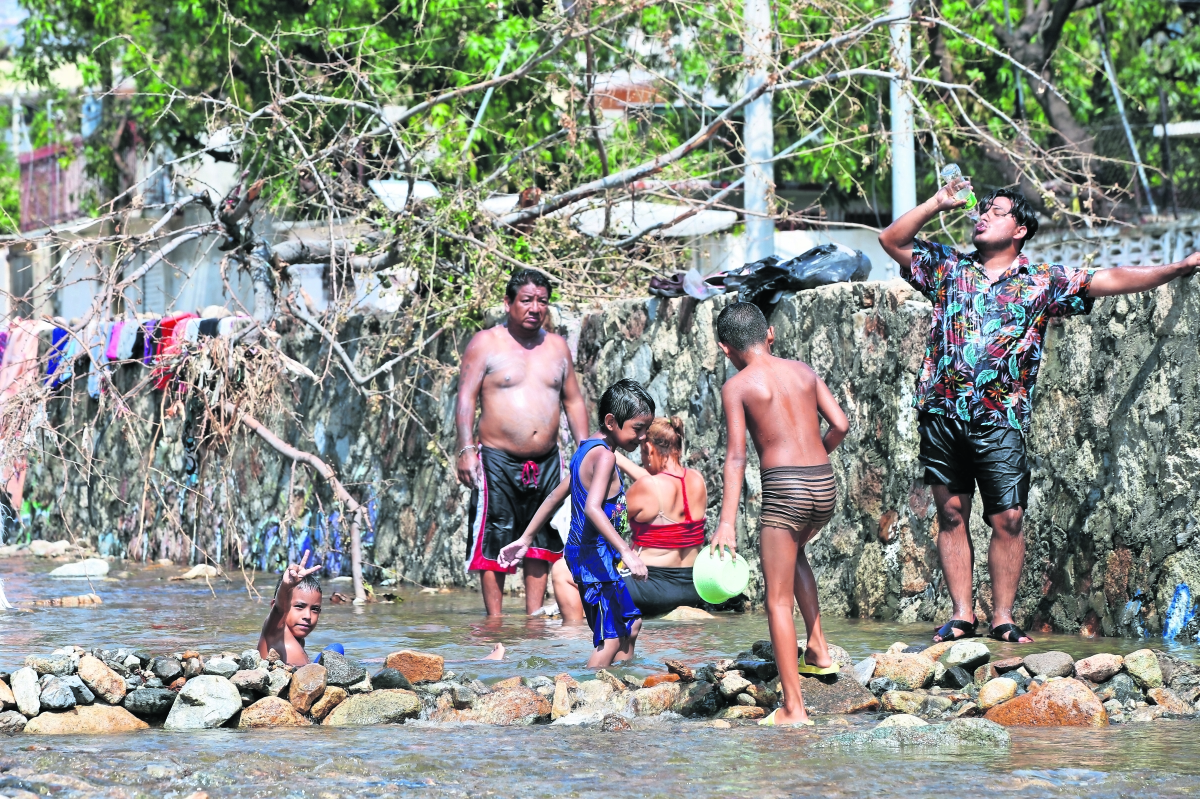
1132 279
897 238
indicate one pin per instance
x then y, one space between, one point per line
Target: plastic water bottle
951 173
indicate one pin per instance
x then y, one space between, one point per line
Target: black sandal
1000 634
967 628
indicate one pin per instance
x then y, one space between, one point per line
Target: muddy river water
658 758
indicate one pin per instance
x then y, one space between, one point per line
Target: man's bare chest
524 369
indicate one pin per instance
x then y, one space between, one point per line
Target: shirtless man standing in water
522 376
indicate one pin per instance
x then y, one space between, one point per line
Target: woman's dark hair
625 399
1022 211
741 325
525 277
667 436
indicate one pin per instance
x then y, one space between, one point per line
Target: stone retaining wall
1115 449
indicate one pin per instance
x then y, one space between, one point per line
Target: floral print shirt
985 339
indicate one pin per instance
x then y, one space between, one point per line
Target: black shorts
505 501
665 589
959 454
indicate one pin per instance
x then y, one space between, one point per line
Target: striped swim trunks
798 497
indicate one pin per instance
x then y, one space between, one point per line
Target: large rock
560 705
271 711
659 679
7 700
1050 664
166 669
332 697
957 734
511 706
12 722
221 667
150 702
1169 701
742 712
1059 703
83 694
935 650
308 683
905 702
91 567
1143 666
278 681
388 706
1174 668
968 655
732 684
1120 687
863 671
843 695
107 684
56 695
695 699
59 665
204 702
341 670
655 700
902 720
255 680
391 678
687 613
1098 668
996 692
86 720
417 666
907 671
1187 686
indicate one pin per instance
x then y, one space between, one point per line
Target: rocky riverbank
73 691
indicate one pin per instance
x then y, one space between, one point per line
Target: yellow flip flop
769 721
817 671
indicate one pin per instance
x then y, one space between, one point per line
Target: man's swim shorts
959 454
503 504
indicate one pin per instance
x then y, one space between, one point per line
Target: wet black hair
525 277
741 325
625 400
1022 211
308 583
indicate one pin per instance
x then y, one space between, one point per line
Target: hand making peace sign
298 571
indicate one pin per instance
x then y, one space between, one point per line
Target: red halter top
673 535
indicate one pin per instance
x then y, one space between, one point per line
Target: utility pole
759 134
904 152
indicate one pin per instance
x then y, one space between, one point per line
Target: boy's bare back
778 401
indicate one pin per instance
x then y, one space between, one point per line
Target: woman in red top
666 506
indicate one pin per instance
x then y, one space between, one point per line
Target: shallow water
657 758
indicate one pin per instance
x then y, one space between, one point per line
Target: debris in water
1180 612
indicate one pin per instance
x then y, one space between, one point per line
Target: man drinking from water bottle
990 311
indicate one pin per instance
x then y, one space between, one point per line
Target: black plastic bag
765 281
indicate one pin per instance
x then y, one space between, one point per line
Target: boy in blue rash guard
595 546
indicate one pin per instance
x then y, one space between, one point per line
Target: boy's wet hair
309 583
1022 211
625 400
741 325
526 277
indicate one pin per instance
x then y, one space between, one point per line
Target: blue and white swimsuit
609 608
